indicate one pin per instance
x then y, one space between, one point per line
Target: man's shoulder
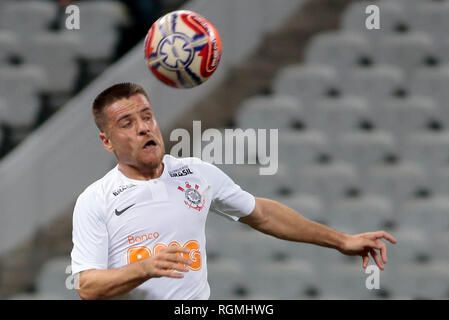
98 188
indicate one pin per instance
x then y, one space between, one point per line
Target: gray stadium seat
441 249
56 53
99 25
432 83
329 182
309 206
225 277
8 46
431 17
431 215
391 15
377 83
19 87
52 278
431 149
27 18
442 51
406 51
440 181
403 116
367 213
337 116
399 182
306 82
339 49
365 149
417 281
413 246
293 279
346 277
277 112
249 178
302 148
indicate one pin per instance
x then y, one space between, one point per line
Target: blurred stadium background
363 139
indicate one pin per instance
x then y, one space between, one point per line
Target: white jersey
118 220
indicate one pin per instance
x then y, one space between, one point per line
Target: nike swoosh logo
117 212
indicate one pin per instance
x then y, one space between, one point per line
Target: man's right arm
105 284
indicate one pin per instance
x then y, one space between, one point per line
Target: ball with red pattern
182 49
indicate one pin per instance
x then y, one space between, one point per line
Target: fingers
173 257
383 250
365 261
169 262
171 266
381 235
377 259
169 274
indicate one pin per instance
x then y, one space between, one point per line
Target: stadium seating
363 145
371 152
56 53
340 50
8 46
101 21
27 18
271 112
306 82
19 87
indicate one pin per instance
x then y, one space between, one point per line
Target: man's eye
126 125
147 118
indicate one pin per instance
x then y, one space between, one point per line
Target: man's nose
142 127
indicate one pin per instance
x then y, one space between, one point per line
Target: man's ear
106 142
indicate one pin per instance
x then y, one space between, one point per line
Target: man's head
128 127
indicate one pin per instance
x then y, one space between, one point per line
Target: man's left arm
278 220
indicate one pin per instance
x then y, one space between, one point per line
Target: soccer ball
182 49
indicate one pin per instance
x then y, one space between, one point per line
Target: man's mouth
149 144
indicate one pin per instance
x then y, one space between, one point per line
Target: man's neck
141 173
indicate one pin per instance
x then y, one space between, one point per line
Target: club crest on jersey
193 197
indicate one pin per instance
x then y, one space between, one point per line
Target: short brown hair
111 95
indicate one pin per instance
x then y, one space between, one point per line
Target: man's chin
152 160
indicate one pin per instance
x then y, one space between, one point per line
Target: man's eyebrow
145 109
123 117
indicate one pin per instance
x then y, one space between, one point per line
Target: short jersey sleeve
228 198
89 236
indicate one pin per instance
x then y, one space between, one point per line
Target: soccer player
139 232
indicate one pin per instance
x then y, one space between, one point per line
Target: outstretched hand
366 244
